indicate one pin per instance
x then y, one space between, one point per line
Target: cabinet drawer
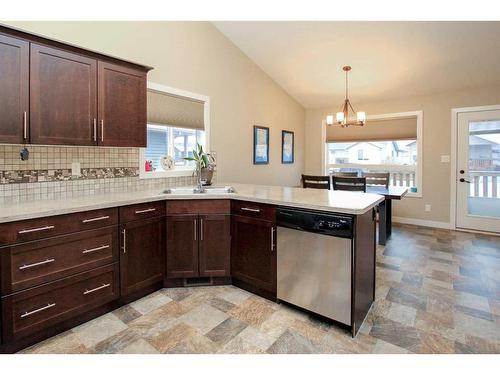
196 206
255 210
39 308
142 211
34 263
34 229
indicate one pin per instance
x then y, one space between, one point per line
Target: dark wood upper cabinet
63 97
142 260
14 90
122 106
182 246
253 255
215 245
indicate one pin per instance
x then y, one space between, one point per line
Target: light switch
427 208
445 158
75 169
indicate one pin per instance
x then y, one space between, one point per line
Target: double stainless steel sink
203 190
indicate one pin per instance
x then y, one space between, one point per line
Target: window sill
166 174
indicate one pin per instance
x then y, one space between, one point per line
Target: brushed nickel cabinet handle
102 130
250 209
195 229
28 313
95 219
86 251
47 227
201 229
25 125
144 211
272 239
124 233
95 130
87 291
31 265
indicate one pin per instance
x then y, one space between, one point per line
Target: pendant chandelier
342 118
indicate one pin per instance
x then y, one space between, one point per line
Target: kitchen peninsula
68 261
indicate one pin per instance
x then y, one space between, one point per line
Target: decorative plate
167 162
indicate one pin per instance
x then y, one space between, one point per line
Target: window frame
177 172
419 115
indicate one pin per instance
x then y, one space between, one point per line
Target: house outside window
387 143
177 120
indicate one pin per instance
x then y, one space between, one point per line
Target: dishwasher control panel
312 221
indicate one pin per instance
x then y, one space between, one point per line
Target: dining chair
349 183
377 178
345 174
316 182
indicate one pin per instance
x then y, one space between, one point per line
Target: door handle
102 130
124 248
464 180
272 239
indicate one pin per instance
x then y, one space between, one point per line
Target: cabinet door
14 90
182 246
122 106
63 97
253 256
142 260
215 245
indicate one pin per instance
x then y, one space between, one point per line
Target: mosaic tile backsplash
47 173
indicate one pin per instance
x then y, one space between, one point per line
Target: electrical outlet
445 158
427 208
75 169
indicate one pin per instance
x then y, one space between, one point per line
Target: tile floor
438 291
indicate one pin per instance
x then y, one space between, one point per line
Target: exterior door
14 90
63 97
122 106
478 171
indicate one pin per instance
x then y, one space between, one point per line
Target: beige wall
195 56
436 142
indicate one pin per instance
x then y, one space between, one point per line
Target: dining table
385 208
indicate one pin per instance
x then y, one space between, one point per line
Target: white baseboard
423 223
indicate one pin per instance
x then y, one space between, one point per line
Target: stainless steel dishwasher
314 256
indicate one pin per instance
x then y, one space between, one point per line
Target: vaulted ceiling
389 59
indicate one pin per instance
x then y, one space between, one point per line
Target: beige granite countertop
346 202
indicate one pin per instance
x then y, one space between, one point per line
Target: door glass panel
484 168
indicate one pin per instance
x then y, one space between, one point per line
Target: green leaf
190 159
204 158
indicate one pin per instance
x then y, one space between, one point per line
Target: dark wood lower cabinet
253 255
215 245
182 246
39 308
142 259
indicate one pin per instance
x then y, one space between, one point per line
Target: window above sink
177 120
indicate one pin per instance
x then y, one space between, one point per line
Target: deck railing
400 175
485 184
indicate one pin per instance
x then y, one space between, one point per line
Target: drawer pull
95 219
26 266
96 289
28 313
144 211
86 251
47 227
250 209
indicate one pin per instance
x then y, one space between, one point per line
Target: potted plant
204 165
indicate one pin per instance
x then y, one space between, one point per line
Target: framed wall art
260 145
